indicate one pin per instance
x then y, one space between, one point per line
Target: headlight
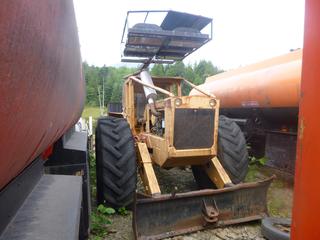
178 102
212 102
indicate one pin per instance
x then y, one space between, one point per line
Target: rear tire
232 153
271 232
115 162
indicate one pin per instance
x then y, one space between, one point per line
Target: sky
244 31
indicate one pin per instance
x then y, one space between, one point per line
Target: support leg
147 174
217 174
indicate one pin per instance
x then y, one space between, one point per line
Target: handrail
199 90
151 86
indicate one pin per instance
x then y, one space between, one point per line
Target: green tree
158 70
175 70
104 84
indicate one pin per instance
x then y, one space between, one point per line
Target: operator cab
171 84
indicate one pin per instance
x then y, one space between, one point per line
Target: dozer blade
174 214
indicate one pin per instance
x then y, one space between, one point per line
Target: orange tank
272 83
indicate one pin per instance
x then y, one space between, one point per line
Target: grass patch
91 111
252 174
279 197
99 223
101 216
93 179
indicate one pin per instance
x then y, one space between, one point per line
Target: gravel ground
121 230
181 180
243 232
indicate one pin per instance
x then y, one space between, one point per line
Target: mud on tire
115 162
232 153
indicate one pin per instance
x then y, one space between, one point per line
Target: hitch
210 213
166 215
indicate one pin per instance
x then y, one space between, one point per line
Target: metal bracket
210 213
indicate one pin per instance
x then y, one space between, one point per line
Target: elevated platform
176 37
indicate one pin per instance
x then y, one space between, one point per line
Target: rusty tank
272 83
42 90
264 100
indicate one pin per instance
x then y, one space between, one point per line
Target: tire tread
115 162
232 153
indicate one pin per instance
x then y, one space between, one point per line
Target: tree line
104 84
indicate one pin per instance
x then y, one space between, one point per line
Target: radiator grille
193 128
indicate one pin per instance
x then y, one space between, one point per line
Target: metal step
51 211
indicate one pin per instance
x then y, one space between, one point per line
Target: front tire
115 162
232 154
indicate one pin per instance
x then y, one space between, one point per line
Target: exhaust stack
150 93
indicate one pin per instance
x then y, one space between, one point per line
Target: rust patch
301 128
166 215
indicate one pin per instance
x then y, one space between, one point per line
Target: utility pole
99 95
103 103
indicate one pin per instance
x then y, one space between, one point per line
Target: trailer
263 98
